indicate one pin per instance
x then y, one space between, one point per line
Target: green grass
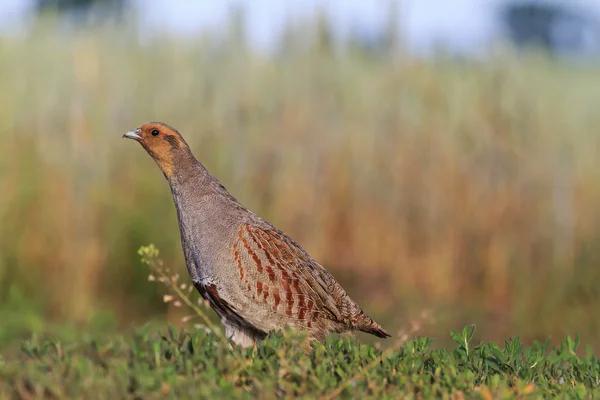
197 364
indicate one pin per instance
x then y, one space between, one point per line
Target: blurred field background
467 188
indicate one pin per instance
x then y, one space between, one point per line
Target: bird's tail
366 324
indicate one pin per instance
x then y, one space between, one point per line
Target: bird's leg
239 336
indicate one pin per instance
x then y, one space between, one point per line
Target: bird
255 277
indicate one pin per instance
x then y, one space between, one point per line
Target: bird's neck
189 176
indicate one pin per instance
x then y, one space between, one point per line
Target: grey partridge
254 276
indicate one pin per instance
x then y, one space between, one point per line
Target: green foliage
183 364
149 254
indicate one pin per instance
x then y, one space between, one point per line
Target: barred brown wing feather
279 273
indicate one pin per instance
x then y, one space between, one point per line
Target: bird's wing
278 272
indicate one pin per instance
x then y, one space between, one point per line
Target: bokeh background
435 156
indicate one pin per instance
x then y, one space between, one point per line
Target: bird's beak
135 134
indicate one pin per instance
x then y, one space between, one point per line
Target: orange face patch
160 151
159 140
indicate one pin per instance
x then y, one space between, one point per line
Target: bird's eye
155 132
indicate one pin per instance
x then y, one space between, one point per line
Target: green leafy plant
192 364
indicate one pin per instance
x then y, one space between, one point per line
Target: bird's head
164 144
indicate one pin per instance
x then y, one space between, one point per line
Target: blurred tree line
82 9
555 27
